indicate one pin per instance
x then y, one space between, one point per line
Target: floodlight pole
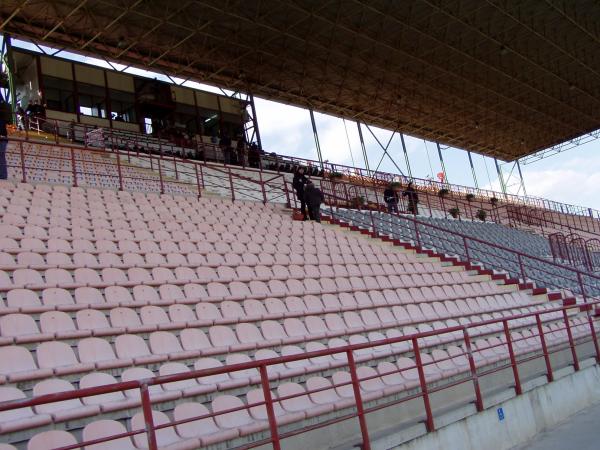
442 162
316 135
522 179
363 147
473 169
406 155
500 177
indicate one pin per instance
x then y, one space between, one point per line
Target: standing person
313 198
298 183
413 199
225 143
391 198
4 115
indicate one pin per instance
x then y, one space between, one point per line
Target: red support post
73 167
23 176
287 192
521 267
366 444
160 176
424 391
571 341
197 180
549 373
513 359
148 419
264 380
594 337
231 184
262 187
473 367
119 170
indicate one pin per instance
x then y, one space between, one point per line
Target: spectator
391 198
298 183
4 115
413 199
225 144
313 198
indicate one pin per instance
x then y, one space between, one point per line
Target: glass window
59 94
92 100
122 106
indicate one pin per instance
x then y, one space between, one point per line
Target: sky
571 177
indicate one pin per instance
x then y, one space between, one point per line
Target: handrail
182 172
265 379
333 200
57 125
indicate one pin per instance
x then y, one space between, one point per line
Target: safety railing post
148 419
593 333
473 367
231 185
513 359
581 286
423 381
366 445
521 267
175 167
287 193
22 152
160 175
119 170
571 341
197 180
73 167
417 234
549 374
264 380
262 187
56 131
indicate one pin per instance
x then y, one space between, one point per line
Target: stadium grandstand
162 288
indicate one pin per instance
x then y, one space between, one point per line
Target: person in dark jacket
413 198
391 198
313 198
298 183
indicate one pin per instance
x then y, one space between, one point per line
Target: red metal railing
508 360
273 161
530 266
193 176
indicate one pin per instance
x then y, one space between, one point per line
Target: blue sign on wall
500 414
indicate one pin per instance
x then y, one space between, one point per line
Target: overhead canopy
501 78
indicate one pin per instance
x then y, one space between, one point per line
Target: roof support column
364 149
442 162
406 155
473 169
316 136
522 179
255 122
7 59
500 176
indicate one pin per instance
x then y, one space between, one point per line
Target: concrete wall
525 416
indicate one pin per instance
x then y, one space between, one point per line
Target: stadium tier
258 327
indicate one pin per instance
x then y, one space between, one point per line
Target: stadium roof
498 77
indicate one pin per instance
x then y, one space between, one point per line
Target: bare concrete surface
579 431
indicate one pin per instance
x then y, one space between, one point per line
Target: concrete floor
577 432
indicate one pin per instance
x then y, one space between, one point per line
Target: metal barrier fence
413 346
